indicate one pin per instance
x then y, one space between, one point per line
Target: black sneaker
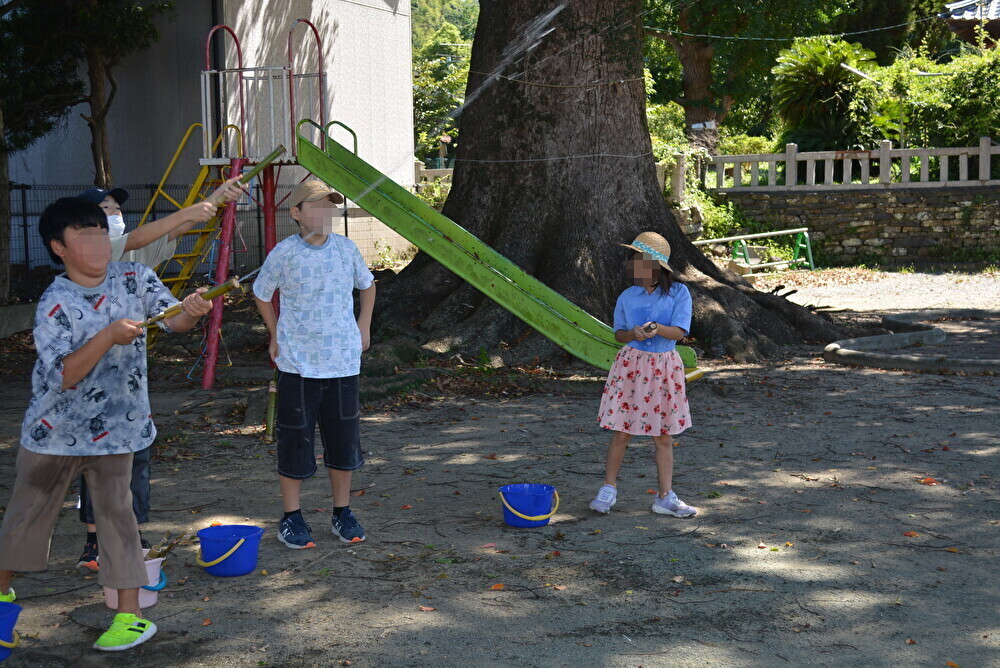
88 560
345 526
295 533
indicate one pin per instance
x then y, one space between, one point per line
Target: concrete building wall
158 98
367 54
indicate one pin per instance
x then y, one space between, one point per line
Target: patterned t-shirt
107 412
318 336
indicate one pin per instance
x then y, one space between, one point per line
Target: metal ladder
185 263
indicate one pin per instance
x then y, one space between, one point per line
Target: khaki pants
40 489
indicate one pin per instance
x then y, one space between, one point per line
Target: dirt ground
818 541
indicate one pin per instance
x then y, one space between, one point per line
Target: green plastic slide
545 310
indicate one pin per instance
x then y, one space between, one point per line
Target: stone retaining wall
886 226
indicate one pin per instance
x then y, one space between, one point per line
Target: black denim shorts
330 402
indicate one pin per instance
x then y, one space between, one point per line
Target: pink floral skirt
645 394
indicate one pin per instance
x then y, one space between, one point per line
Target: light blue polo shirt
636 306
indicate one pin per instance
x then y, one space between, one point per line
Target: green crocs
126 632
9 597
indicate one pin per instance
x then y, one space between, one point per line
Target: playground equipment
247 110
538 305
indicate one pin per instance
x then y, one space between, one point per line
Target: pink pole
268 189
221 275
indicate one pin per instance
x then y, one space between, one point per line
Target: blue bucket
230 549
528 504
8 618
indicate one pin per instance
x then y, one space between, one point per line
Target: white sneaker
606 497
671 505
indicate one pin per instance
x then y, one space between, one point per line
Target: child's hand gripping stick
258 168
208 295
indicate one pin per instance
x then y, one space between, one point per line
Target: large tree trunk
4 219
555 171
99 100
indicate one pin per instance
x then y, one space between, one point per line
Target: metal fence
31 268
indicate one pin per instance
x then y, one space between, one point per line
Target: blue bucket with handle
228 550
8 636
528 504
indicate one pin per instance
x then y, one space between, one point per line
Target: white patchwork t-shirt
318 336
107 411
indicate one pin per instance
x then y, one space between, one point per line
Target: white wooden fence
885 168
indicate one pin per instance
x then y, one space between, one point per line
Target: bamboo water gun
258 168
208 295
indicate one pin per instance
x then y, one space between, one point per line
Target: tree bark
555 170
4 218
99 101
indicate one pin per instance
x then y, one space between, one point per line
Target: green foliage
39 83
738 78
428 16
666 129
434 194
809 81
741 144
438 90
954 109
813 92
440 76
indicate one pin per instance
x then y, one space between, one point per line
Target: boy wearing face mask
149 245
316 345
156 242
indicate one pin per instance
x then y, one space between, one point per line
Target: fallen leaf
206 622
497 587
855 563
910 534
911 641
263 571
929 481
555 553
951 549
205 599
789 543
488 545
807 510
559 587
761 546
642 527
709 544
678 578
215 524
358 492
426 608
650 491
952 664
406 507
492 455
319 510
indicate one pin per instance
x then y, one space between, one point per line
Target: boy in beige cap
316 343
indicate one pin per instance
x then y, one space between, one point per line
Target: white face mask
116 225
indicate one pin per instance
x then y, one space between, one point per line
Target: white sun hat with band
653 245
